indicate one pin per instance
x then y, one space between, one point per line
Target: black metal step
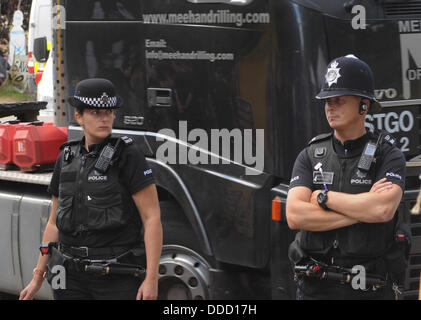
24 111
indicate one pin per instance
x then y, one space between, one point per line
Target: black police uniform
96 210
368 244
360 244
96 216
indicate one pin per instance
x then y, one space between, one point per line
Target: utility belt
393 262
79 259
319 270
371 265
85 252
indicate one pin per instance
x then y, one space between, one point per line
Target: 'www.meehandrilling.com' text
211 17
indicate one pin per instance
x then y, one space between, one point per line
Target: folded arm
304 213
370 207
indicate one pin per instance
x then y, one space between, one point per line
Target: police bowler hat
349 76
95 93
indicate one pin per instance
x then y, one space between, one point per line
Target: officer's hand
381 186
31 289
148 290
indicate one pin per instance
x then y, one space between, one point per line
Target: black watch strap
322 199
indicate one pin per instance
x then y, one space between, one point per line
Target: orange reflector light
419 292
276 209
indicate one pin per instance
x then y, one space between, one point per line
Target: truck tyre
183 272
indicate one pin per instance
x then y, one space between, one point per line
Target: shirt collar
93 147
350 147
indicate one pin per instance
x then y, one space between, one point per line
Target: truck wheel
183 272
183 275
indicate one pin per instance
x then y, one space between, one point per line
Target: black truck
219 95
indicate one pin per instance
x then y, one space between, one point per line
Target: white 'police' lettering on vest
95 176
358 181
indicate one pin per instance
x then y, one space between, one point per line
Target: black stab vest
92 202
361 240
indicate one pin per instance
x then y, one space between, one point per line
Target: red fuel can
37 147
7 132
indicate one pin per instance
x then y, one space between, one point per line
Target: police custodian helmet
95 93
349 76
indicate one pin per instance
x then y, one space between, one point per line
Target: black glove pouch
397 258
136 256
56 258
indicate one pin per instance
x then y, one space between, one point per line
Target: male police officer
99 186
345 189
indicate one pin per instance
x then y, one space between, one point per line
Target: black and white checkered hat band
102 102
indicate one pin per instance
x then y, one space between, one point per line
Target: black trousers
317 289
85 286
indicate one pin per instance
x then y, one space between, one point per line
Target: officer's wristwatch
322 199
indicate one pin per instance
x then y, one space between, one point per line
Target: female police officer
96 205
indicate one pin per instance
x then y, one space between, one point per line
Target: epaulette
115 141
69 143
320 137
119 147
386 137
127 140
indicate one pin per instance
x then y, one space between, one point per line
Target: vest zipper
336 243
80 225
341 175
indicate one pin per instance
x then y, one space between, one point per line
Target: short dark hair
79 110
